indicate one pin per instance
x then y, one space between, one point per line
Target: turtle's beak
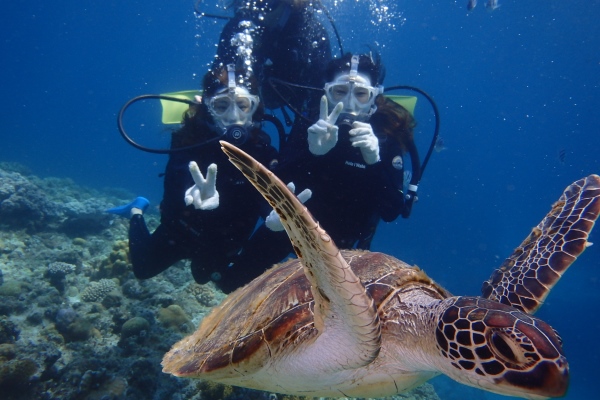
548 375
547 379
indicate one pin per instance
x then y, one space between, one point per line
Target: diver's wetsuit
210 238
349 198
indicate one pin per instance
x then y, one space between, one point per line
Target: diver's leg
151 254
208 263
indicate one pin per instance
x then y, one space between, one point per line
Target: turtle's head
498 348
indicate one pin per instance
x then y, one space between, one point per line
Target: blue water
515 88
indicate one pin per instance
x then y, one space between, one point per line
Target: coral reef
48 204
97 291
74 321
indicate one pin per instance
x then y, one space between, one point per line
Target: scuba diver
288 48
205 219
353 162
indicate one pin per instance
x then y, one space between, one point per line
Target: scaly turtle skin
361 324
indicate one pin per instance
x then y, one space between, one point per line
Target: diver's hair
368 64
394 121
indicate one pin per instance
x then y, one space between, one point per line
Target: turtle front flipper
344 314
527 276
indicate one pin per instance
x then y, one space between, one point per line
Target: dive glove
323 135
362 136
203 195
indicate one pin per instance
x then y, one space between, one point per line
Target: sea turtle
364 324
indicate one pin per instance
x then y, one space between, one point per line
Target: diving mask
357 97
234 107
354 91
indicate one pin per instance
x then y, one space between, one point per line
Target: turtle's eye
501 347
505 346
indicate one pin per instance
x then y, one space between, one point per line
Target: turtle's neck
410 327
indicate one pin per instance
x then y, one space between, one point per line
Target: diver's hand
273 222
362 136
203 195
323 135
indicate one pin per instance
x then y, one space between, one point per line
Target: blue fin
125 211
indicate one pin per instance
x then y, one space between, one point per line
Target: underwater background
518 90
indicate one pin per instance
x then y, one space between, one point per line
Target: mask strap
231 78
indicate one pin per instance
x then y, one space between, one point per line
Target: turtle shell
273 315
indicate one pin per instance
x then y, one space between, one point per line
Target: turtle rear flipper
525 278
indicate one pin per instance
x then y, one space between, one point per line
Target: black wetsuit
210 238
349 198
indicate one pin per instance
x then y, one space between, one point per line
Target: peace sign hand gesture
203 195
323 135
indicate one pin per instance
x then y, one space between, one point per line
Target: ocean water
518 91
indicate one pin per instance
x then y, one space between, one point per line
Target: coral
10 166
117 264
47 296
7 352
35 318
72 326
15 374
96 291
79 241
112 299
65 317
59 269
132 289
174 317
423 392
142 376
203 294
8 331
84 217
13 288
24 204
134 327
49 205
212 390
51 335
112 389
